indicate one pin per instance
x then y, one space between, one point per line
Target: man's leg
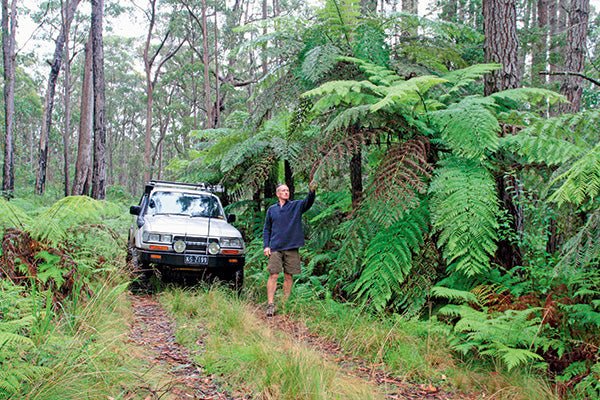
287 285
272 287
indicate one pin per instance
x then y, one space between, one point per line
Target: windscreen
191 204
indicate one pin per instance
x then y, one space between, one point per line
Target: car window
194 205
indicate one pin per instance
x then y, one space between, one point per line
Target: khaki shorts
287 261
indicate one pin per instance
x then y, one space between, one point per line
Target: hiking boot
270 309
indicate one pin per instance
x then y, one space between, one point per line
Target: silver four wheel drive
181 227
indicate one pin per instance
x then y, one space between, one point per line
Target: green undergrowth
83 352
416 350
249 356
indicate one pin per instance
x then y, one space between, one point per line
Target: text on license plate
196 260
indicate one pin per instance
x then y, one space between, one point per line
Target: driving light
179 246
214 248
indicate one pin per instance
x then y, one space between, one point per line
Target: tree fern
468 128
464 208
581 182
388 258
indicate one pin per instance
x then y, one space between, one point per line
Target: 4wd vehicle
181 228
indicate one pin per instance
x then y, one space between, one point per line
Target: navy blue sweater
283 224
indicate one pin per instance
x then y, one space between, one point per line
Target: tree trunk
206 61
572 86
66 99
500 44
149 93
9 28
40 183
540 49
99 164
83 166
217 111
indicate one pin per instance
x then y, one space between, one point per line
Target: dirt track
154 330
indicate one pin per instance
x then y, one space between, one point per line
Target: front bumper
176 261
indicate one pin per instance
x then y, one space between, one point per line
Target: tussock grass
90 356
250 356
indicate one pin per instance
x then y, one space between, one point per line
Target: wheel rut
154 330
392 386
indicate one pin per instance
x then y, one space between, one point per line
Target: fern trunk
289 177
356 177
508 253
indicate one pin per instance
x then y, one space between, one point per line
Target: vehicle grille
193 243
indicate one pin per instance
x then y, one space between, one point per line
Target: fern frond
53 223
406 93
581 182
7 338
455 295
319 61
469 128
349 93
512 357
402 174
463 77
464 208
530 96
245 150
540 149
380 76
583 248
330 153
12 216
340 17
388 258
354 116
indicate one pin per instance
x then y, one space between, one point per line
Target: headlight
156 237
214 248
232 242
179 246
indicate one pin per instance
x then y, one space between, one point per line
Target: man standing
282 237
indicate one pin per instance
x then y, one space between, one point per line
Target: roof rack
218 188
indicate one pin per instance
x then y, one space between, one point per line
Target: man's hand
267 251
312 186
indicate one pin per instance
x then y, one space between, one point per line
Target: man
282 237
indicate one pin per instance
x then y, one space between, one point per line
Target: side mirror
135 210
231 218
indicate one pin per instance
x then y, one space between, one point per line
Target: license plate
196 260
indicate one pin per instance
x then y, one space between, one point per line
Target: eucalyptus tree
99 160
572 87
155 55
55 66
9 30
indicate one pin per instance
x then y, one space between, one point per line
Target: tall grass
89 354
251 356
